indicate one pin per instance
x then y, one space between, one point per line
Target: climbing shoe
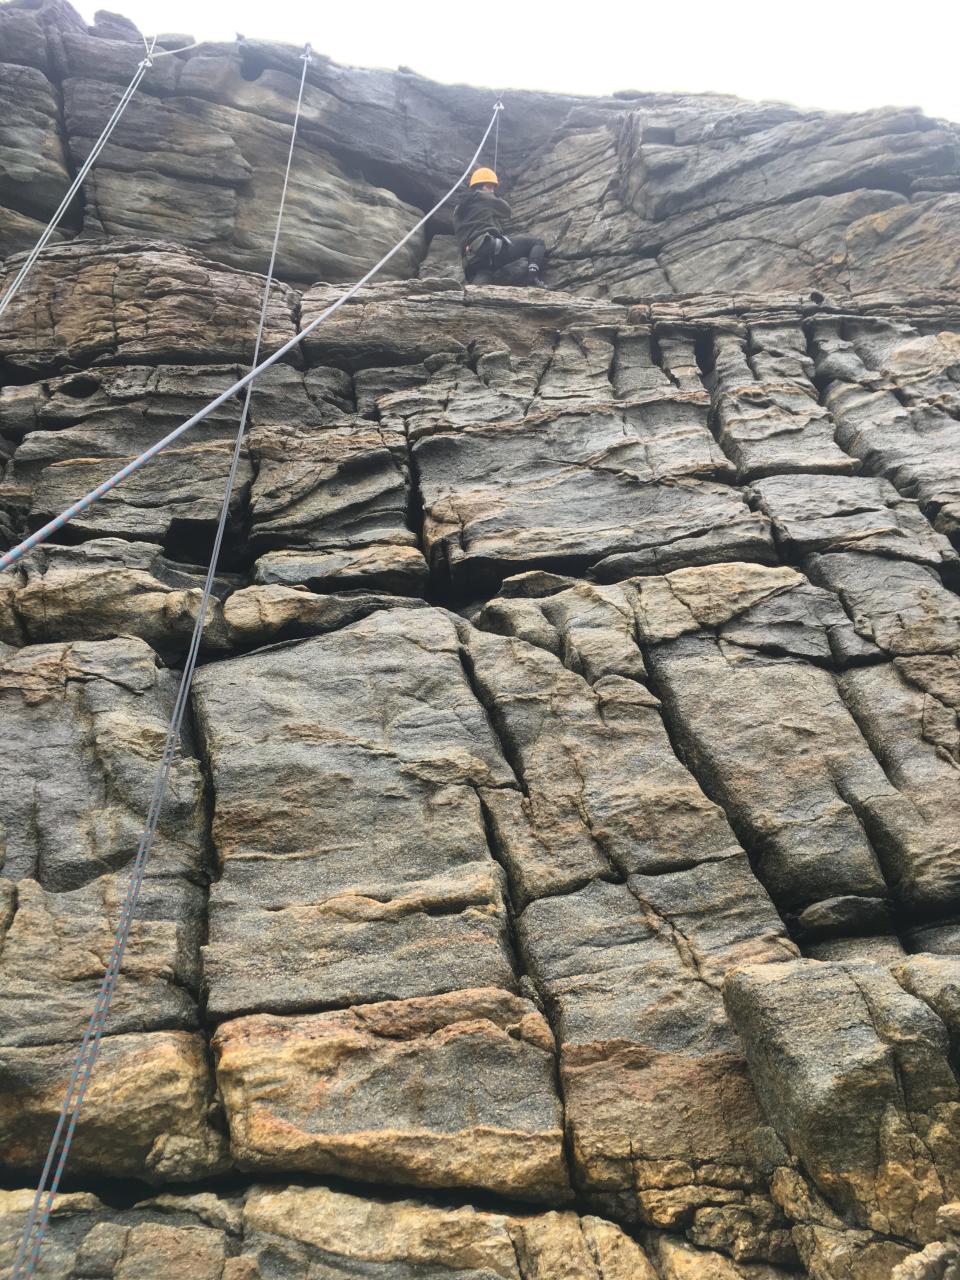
534 277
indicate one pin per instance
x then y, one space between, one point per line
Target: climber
478 224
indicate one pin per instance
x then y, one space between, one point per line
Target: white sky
837 54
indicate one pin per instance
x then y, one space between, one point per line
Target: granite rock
453 1090
147 1116
842 1046
84 726
404 748
576 658
133 302
271 1229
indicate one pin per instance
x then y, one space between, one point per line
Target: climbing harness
38 1219
142 68
41 535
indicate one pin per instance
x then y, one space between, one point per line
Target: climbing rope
37 1220
496 136
41 535
142 69
35 1228
150 57
168 53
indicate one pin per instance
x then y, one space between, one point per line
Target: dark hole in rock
252 64
80 388
706 359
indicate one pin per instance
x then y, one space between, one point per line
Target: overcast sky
837 54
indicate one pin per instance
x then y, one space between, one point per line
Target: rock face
639 194
560 869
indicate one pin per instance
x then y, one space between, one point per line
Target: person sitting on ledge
478 225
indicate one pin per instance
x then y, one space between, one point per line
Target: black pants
481 268
528 247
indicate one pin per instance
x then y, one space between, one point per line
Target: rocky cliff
560 876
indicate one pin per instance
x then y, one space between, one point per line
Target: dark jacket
477 213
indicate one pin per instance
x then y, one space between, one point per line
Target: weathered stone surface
19 232
106 588
844 513
339 490
917 742
301 1230
936 981
896 245
206 174
54 949
603 793
405 1239
606 490
362 114
900 606
877 950
843 915
133 301
33 171
437 935
442 260
798 246
892 391
84 726
769 418
405 323
146 1113
176 503
481 875
677 1260
842 1048
826 820
941 1259
384 566
680 191
119 403
399 747
88 427
941 937
27 34
660 1113
453 1090
261 615
649 195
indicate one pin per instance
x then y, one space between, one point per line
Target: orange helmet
484 175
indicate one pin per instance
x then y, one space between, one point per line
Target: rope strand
38 1219
151 55
142 69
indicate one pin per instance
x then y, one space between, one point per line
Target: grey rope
38 1219
41 535
142 69
496 136
150 57
168 53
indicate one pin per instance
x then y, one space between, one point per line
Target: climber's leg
529 247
